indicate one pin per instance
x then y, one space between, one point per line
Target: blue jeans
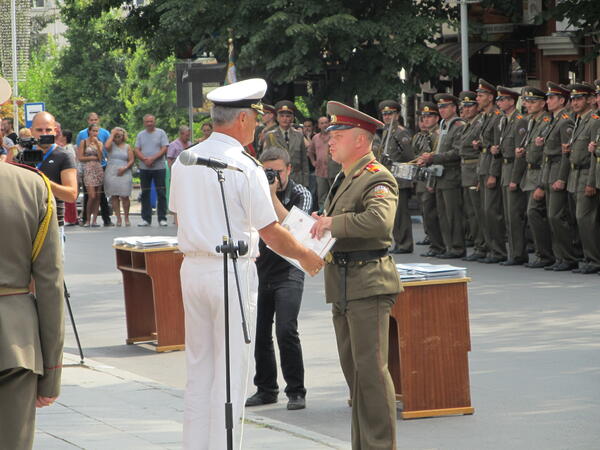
159 177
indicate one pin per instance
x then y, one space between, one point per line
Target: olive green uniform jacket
534 154
512 129
363 210
469 156
580 157
31 329
295 147
556 166
447 153
396 143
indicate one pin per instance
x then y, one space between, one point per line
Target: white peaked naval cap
243 94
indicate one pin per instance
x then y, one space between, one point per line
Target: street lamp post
464 43
15 87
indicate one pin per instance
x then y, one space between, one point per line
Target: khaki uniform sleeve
566 130
594 133
453 154
47 271
520 164
380 199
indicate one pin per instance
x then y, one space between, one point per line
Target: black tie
286 137
336 184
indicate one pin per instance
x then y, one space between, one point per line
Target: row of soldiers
510 181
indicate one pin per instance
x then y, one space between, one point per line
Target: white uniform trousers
205 396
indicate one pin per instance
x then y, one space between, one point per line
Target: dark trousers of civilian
159 177
280 300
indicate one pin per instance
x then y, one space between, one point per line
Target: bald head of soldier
43 123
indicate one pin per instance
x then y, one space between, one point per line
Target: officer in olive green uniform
555 174
594 148
291 140
31 328
469 158
537 214
361 280
448 193
513 127
265 127
494 230
393 144
425 141
581 184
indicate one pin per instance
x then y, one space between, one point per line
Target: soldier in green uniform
594 149
580 183
469 158
494 230
424 142
504 166
555 173
393 144
287 137
537 214
361 280
31 328
268 124
448 194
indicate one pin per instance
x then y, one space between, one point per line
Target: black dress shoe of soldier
431 253
474 257
539 264
451 255
586 269
492 260
261 398
425 241
296 402
513 262
564 266
552 266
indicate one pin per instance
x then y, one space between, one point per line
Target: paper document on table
299 224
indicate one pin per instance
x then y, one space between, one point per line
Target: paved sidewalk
102 407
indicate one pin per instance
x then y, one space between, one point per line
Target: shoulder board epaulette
565 116
546 119
497 112
254 160
519 116
373 167
595 116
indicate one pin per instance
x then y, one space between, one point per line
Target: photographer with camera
50 159
280 287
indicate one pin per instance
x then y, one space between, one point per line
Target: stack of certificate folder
146 241
426 271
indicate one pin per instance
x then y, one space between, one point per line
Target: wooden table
429 345
152 289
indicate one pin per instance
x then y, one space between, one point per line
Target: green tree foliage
40 73
344 48
149 88
88 75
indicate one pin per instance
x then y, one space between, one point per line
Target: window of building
39 3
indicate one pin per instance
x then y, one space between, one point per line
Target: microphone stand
230 249
67 297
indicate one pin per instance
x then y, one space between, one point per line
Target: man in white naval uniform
196 198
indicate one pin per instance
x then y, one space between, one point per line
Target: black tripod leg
67 296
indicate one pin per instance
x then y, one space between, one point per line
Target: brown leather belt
5 291
469 161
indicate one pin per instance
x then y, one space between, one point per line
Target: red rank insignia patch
373 168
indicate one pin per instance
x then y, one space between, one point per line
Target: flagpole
15 87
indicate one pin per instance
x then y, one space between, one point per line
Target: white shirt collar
215 135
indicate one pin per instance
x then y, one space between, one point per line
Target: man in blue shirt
103 135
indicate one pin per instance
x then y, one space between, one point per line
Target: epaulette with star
595 116
546 119
565 116
254 160
519 116
497 112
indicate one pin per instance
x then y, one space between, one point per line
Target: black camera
272 175
28 155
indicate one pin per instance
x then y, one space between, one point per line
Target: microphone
189 158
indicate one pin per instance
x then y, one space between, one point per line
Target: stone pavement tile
101 407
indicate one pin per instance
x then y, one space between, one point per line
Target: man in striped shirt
280 287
